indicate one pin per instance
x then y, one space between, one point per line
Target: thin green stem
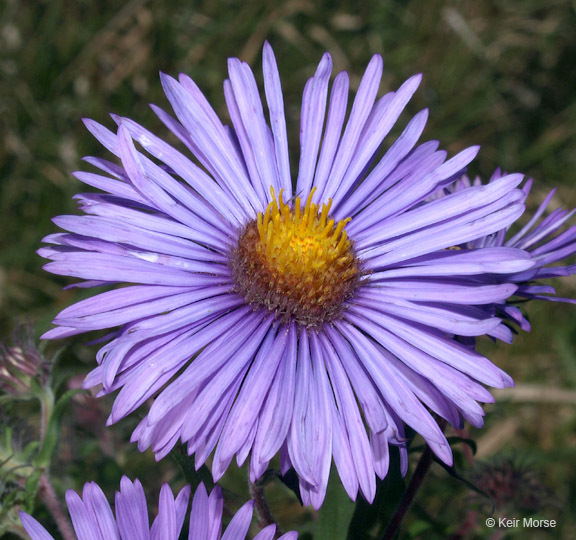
46 409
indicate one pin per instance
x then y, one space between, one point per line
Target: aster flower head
543 236
310 313
93 519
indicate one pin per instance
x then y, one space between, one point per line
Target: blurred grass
499 74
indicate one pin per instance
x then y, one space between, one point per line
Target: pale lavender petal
277 412
446 208
140 311
359 444
451 321
211 141
250 107
95 500
181 505
33 528
267 533
199 515
110 267
334 123
443 237
215 506
209 190
292 535
370 187
393 389
320 423
449 352
406 194
244 143
343 454
85 523
437 291
93 519
209 361
547 227
165 526
114 187
277 119
361 109
512 242
254 390
298 445
462 263
238 527
380 122
132 511
312 122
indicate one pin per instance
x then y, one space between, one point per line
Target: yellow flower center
296 261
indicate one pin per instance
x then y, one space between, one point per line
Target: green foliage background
496 73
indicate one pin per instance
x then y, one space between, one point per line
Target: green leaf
29 451
336 512
8 398
470 442
31 488
6 439
451 470
452 441
370 520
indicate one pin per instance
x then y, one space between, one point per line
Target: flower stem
408 498
47 407
48 495
263 512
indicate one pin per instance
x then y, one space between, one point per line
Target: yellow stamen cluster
297 262
303 242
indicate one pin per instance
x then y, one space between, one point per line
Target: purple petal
250 107
267 533
334 123
199 515
273 91
356 432
277 412
33 528
430 291
238 527
132 511
448 351
372 186
164 526
361 109
255 388
380 122
312 121
209 190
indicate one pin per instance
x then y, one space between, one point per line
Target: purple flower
311 320
93 519
542 237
